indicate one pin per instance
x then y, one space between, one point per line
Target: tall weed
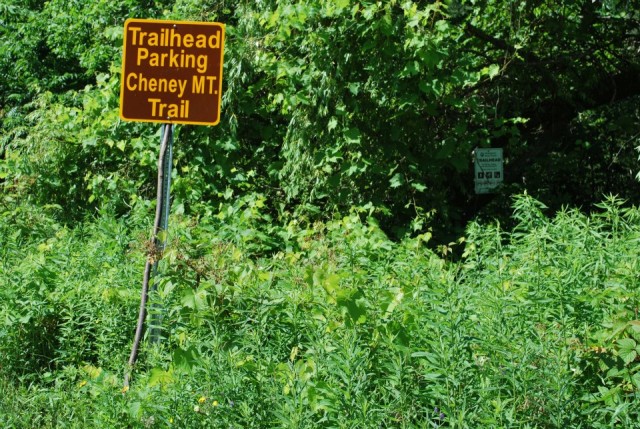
326 325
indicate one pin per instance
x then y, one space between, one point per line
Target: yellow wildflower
82 383
125 389
202 400
214 403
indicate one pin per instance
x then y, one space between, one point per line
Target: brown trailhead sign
172 71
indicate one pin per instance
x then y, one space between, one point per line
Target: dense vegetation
341 328
334 104
328 263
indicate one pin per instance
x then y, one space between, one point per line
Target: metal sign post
154 255
161 242
171 74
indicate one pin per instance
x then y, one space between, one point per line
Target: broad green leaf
626 343
355 304
627 350
352 136
493 70
396 181
185 359
160 377
188 299
418 186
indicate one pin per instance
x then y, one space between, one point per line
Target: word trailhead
172 71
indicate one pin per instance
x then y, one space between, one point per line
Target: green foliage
71 151
282 300
340 328
60 45
65 292
329 105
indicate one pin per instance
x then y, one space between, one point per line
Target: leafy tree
331 104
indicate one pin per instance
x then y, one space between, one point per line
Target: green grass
333 326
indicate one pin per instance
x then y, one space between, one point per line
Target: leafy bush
281 300
329 105
337 326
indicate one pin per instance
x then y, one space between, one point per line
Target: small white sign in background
488 169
